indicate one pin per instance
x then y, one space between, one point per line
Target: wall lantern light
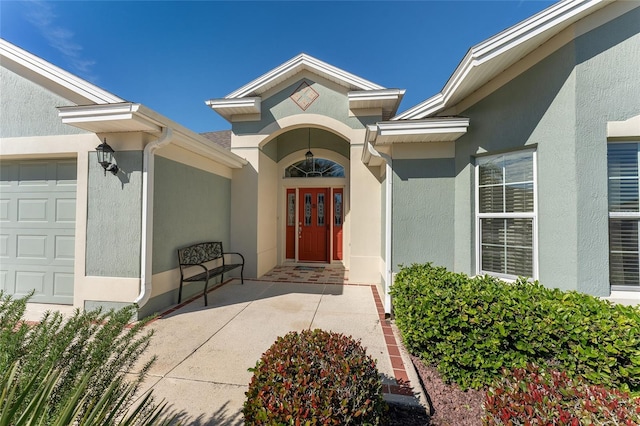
105 158
309 154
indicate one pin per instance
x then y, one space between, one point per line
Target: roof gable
486 60
49 76
245 103
294 66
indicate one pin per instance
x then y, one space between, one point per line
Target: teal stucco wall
331 102
560 107
423 209
190 206
114 217
27 109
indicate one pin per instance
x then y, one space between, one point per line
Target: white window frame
622 215
528 215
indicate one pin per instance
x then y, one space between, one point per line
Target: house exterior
525 164
77 235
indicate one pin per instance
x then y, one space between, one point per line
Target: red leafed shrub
533 396
315 377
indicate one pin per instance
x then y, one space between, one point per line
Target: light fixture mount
105 158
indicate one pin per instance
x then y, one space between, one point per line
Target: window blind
506 214
624 215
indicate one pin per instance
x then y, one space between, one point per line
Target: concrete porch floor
204 353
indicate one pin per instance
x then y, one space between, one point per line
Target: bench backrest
200 253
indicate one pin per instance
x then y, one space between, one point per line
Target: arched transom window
318 167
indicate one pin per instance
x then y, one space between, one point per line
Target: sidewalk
203 353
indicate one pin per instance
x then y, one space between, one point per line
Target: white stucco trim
299 121
294 66
231 108
486 60
624 129
51 77
433 130
387 100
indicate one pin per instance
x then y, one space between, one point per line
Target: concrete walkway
204 353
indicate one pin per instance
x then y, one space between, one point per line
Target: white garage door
37 229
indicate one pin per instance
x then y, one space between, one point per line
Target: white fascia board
297 64
387 99
123 112
429 126
153 123
375 95
228 108
551 20
90 92
244 103
194 141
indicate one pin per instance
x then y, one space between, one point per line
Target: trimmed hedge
472 328
315 377
533 396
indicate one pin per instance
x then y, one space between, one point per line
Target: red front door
313 225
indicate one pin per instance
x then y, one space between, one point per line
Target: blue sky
172 56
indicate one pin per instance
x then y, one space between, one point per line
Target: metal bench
199 262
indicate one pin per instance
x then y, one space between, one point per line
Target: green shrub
56 357
315 377
472 328
535 396
105 411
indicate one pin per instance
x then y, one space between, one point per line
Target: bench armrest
233 252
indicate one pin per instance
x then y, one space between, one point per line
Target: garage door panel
66 174
4 210
34 173
4 246
32 210
62 285
27 281
65 210
37 243
31 247
64 247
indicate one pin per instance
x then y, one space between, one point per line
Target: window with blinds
624 214
506 214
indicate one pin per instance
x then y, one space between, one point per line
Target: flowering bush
315 377
533 396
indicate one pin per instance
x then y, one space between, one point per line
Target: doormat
310 268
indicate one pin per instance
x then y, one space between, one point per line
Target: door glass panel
320 209
307 209
337 209
291 209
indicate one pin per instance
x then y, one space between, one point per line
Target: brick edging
403 384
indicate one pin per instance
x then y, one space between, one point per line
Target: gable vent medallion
304 95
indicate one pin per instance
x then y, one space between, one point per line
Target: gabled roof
486 60
59 81
246 101
295 65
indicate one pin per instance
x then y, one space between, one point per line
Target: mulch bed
451 405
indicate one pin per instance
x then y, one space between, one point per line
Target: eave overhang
387 100
228 108
384 134
131 117
484 61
